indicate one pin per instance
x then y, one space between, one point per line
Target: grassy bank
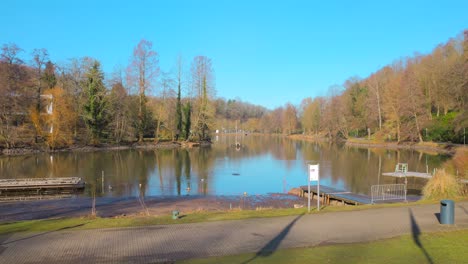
139 220
440 247
193 217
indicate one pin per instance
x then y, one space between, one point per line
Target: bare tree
10 54
141 74
72 77
375 83
413 102
393 99
120 125
290 119
13 99
40 58
203 84
161 108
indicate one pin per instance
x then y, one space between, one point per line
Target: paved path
174 242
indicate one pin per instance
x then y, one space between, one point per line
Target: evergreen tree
178 114
187 117
49 75
95 107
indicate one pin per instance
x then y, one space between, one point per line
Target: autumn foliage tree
60 120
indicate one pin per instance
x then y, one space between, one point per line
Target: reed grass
442 185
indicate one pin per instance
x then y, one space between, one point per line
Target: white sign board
313 172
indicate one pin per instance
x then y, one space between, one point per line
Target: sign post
314 176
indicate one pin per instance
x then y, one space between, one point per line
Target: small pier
408 174
329 193
415 175
41 185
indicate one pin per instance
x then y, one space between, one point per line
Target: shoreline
439 148
104 147
109 207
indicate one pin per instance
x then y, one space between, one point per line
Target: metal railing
384 192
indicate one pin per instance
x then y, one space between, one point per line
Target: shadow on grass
416 232
273 244
40 234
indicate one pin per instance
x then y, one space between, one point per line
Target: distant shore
432 147
102 147
439 148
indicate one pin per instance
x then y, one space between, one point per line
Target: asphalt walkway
168 243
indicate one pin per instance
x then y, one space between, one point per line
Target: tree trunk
379 109
140 119
156 134
417 127
398 132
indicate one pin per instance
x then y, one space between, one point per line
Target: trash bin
447 212
175 214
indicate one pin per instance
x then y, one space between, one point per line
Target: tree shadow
464 209
2 239
273 244
41 234
416 232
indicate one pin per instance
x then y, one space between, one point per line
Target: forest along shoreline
439 148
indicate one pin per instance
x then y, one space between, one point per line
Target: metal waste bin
447 212
175 214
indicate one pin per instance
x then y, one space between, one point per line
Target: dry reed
442 185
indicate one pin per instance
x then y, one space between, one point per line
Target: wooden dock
329 193
415 174
38 184
408 174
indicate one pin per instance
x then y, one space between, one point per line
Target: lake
261 165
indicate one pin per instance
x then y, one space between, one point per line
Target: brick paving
169 243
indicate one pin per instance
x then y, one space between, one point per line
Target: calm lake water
263 164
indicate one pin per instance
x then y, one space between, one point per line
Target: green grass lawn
441 247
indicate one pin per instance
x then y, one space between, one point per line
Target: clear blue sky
264 52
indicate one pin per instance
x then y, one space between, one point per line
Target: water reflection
263 164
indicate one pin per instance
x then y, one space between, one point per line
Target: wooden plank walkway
330 193
41 183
